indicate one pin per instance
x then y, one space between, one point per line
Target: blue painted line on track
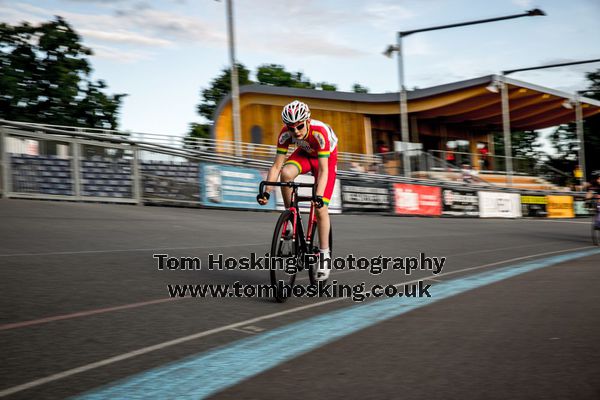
203 374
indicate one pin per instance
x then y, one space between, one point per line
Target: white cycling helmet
295 112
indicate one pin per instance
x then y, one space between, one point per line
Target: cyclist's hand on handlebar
263 198
318 201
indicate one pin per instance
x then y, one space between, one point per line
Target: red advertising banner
417 199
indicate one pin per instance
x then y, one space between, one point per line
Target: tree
266 74
591 127
565 141
525 147
358 88
197 131
524 144
330 87
594 87
45 78
276 75
301 82
219 88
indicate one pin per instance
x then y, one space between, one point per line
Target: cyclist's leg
288 174
323 226
295 165
324 223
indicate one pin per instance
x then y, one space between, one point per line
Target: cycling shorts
305 164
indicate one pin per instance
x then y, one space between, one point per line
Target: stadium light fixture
402 88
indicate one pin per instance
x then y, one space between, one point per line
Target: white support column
137 177
76 169
579 124
368 136
506 130
6 167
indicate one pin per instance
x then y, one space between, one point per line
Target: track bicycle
291 242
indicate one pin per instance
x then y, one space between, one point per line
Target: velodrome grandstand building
461 116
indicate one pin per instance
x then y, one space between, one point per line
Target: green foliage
591 127
565 142
266 74
276 75
197 131
330 87
200 131
524 144
45 78
358 88
219 88
594 86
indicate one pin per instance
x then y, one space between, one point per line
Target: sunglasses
296 128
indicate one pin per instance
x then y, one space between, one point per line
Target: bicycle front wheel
283 247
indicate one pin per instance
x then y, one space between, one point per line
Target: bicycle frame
305 241
298 226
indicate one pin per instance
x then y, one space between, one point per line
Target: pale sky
163 52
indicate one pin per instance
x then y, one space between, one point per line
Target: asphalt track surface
84 309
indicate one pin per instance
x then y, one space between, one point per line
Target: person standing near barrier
592 195
316 152
593 188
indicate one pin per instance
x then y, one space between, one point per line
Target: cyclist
593 193
316 152
594 186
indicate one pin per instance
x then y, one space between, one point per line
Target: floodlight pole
579 129
403 95
506 130
235 89
403 108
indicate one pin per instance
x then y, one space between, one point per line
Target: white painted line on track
60 253
184 339
562 222
243 331
86 313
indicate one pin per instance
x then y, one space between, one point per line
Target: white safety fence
69 164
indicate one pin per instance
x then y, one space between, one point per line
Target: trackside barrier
534 206
499 205
49 163
228 186
417 199
365 196
460 202
560 207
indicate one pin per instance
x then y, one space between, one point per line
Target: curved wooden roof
469 101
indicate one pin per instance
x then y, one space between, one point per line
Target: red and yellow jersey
320 141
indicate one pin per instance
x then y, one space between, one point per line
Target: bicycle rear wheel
283 247
312 272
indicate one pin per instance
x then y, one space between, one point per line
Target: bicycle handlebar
286 184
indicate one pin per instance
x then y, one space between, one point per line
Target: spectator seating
170 180
104 177
41 174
